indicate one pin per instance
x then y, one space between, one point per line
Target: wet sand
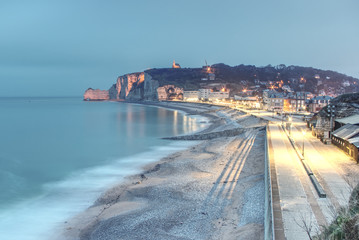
213 190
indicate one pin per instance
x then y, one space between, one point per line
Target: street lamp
331 114
290 126
303 132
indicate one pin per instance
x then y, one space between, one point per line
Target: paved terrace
298 200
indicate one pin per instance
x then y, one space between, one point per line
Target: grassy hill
298 78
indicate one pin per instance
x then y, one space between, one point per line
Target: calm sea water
57 155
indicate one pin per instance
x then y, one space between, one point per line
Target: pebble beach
213 190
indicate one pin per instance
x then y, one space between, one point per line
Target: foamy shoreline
179 184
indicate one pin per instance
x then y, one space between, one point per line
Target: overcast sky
62 47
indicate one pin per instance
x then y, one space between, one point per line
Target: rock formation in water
96 94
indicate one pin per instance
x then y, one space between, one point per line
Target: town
309 119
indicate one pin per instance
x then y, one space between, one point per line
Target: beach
213 190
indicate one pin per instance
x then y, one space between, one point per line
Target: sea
58 155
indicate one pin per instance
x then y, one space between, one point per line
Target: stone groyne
212 135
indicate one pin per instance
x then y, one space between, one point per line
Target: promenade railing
268 203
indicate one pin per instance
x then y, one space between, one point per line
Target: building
204 93
272 100
218 95
347 139
353 119
317 103
175 65
251 102
295 102
211 76
190 95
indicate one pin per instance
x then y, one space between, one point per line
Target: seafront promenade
302 209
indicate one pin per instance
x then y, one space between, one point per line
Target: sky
63 47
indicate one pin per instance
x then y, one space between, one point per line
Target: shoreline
175 183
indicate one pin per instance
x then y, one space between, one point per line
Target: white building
190 95
204 93
218 95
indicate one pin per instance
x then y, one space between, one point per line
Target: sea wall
96 94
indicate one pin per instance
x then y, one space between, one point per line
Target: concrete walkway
321 159
335 171
293 188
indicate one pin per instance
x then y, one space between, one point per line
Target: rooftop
346 132
354 119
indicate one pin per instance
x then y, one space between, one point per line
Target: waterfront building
248 101
294 102
218 95
317 103
204 93
272 100
190 95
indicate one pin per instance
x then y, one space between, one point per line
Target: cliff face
136 86
96 94
169 92
133 86
150 88
129 86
